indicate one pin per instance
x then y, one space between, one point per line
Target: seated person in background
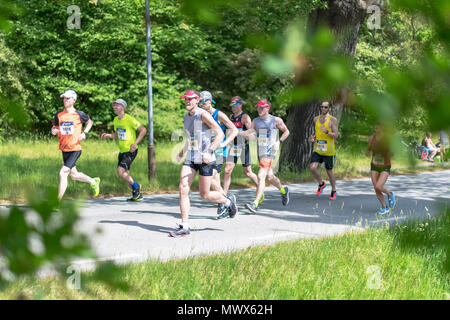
430 145
443 144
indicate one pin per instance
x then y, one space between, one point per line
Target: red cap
262 103
190 94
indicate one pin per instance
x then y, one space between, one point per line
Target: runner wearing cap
221 152
67 124
240 147
125 127
266 127
326 132
200 157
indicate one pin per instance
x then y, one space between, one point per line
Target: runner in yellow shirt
125 127
326 132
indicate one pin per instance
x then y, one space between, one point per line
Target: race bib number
122 134
263 140
235 151
322 145
66 128
193 145
378 159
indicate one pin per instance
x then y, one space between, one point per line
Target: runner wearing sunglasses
326 132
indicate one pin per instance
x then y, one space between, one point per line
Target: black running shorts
204 169
70 158
126 158
329 160
245 157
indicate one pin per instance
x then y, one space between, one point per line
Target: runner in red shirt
67 124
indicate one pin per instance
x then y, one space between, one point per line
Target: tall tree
344 18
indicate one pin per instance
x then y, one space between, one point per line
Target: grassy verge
27 165
404 262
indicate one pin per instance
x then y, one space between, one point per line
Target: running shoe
252 207
285 197
321 187
383 210
180 231
220 208
392 201
137 196
222 211
233 209
333 195
95 186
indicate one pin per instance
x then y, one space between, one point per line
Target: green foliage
32 237
432 234
43 235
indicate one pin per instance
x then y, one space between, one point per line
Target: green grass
35 164
381 263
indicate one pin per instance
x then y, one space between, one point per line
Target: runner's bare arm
249 134
54 130
142 132
246 121
279 124
334 128
227 122
313 137
109 135
87 128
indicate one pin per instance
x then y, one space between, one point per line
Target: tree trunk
344 18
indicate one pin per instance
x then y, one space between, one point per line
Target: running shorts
329 160
126 158
204 169
70 158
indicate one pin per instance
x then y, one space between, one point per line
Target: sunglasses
236 103
326 107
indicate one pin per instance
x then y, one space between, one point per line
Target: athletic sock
228 203
134 185
282 190
185 225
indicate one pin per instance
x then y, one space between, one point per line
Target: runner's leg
204 183
262 174
374 175
80 176
229 166
315 172
273 179
187 175
332 178
382 181
249 173
125 175
63 174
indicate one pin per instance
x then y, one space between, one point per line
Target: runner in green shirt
125 127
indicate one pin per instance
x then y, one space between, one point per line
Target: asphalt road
134 232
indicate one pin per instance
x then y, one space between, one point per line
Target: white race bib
378 159
322 145
66 128
263 140
235 151
193 145
122 134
